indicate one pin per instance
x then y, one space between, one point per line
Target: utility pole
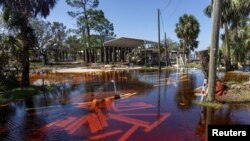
159 42
165 47
145 54
214 50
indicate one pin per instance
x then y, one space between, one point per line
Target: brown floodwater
115 106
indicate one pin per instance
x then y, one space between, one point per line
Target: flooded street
115 106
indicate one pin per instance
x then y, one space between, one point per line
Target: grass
192 65
235 96
36 65
215 105
22 93
149 69
238 92
155 68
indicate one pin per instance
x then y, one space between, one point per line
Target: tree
90 21
231 13
58 40
74 44
240 30
244 33
214 50
212 61
188 30
226 12
17 14
43 33
241 42
9 50
240 12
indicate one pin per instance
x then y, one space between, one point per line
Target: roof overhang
127 42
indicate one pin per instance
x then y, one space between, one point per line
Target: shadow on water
85 107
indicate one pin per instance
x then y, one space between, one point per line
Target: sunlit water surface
147 107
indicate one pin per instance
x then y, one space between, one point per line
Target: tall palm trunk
209 117
25 54
214 49
228 54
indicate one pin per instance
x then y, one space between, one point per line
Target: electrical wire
162 23
170 16
166 6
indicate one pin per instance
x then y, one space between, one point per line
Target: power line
169 17
162 23
165 7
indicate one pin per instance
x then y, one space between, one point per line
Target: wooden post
113 55
109 54
145 54
120 54
159 42
104 55
165 47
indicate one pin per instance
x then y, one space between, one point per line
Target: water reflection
185 93
83 107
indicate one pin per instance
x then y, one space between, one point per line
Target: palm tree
240 11
241 41
17 15
244 33
213 50
9 46
231 13
188 30
240 29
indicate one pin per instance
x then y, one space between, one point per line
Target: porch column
104 55
108 51
120 55
113 55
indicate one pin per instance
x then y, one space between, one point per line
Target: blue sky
138 18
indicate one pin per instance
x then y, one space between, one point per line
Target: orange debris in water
102 118
125 136
80 122
93 104
94 123
100 136
97 120
65 122
157 123
130 120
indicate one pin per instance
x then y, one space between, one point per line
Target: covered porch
123 49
